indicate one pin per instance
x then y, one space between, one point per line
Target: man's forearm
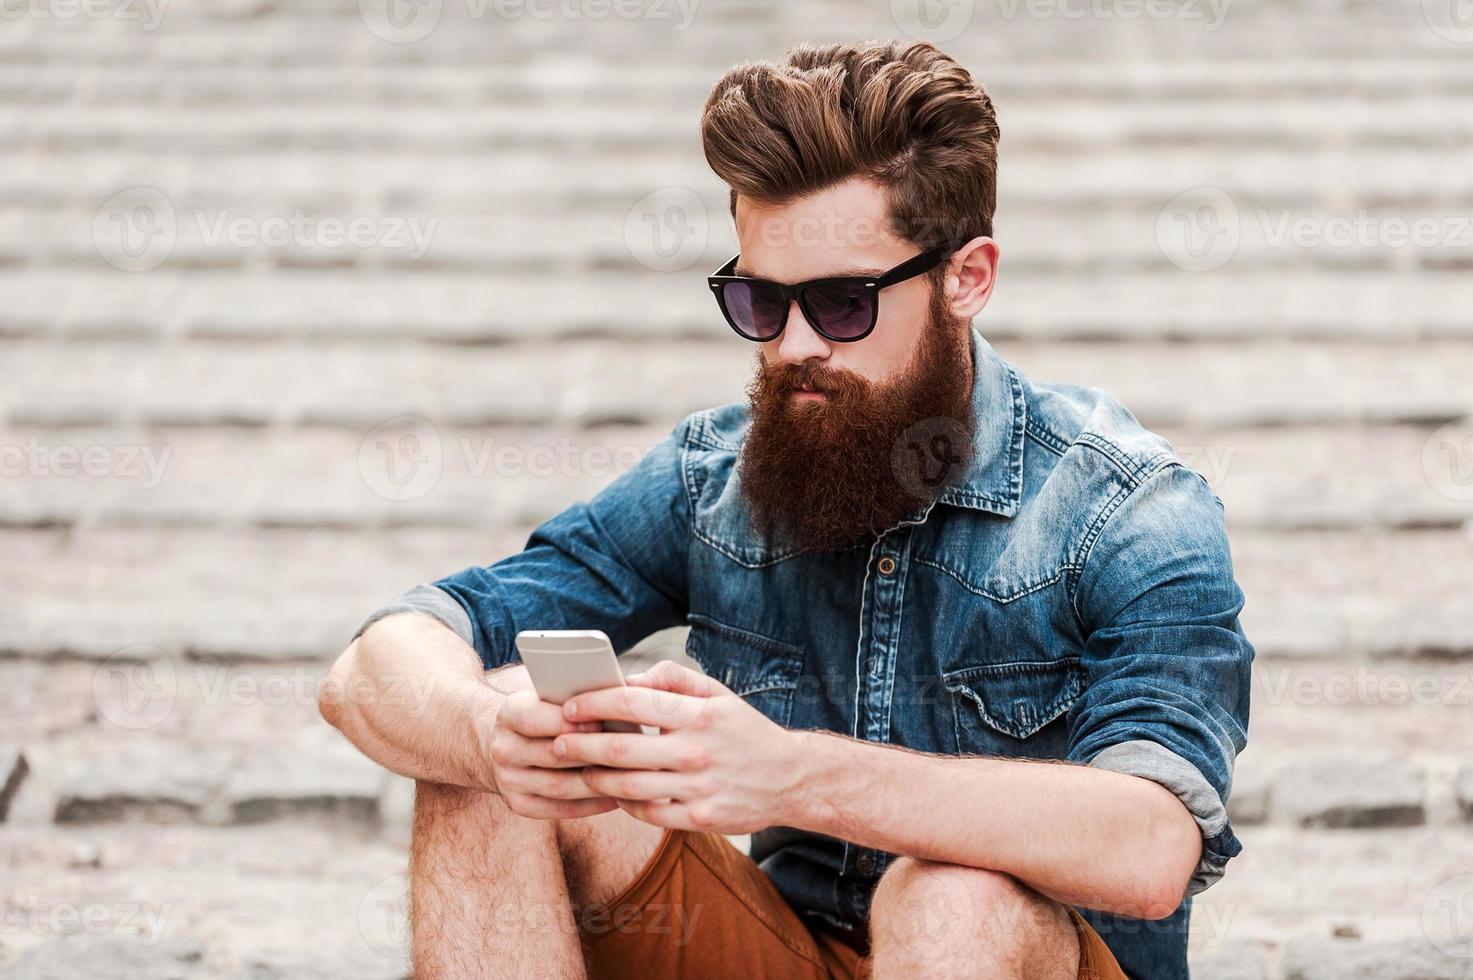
412 696
1079 835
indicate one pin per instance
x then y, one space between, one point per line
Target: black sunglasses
842 309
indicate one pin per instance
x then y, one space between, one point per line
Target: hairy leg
493 893
944 920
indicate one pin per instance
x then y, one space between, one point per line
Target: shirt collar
994 478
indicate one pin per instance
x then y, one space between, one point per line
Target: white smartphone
568 662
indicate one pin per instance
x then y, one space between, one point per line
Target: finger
637 784
629 751
541 808
555 784
524 713
512 749
660 813
640 705
667 675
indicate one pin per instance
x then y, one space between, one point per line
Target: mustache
785 379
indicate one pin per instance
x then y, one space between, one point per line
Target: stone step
151 736
188 902
234 232
383 304
406 471
1213 394
1314 599
571 82
729 33
510 179
1434 123
1321 904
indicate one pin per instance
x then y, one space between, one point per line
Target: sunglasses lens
841 311
755 311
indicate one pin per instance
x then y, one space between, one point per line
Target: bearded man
973 675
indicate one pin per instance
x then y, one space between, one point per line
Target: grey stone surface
88 957
1336 959
1309 384
337 783
1350 792
13 769
156 783
1239 961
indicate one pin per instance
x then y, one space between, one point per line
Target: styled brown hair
906 116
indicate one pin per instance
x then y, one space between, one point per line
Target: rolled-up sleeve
616 563
1168 664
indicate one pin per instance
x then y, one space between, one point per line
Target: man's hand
719 765
529 777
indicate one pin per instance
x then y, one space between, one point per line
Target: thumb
667 675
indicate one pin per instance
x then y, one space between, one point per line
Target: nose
799 341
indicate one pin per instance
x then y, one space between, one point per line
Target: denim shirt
1071 597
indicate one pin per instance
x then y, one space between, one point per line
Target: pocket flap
1017 699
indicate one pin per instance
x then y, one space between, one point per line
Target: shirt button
887 565
865 864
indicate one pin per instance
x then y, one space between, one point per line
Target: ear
970 275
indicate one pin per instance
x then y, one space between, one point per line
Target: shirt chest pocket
1014 709
762 671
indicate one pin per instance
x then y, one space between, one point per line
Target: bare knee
934 911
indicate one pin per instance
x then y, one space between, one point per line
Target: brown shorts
702 908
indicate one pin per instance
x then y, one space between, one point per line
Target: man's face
837 428
840 231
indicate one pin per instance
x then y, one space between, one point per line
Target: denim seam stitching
1036 587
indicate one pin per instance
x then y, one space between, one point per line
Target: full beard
826 474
